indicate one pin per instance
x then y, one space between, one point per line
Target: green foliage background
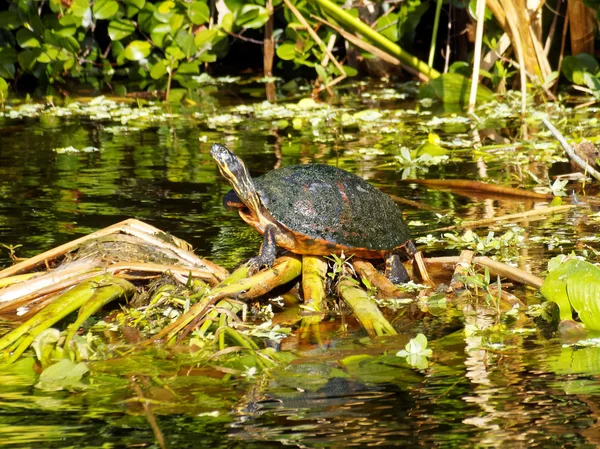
153 43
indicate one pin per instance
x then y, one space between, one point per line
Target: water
519 388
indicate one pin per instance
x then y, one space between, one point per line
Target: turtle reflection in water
319 210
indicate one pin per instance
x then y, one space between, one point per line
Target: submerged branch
587 168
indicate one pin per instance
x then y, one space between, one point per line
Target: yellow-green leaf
137 50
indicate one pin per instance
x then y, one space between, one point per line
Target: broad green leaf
28 58
175 52
207 57
205 37
132 7
8 55
9 20
105 9
227 23
159 31
79 7
198 12
188 68
69 43
286 51
176 22
64 375
388 26
574 67
350 71
592 83
234 5
164 10
3 90
251 16
576 284
454 88
120 28
7 71
159 69
137 50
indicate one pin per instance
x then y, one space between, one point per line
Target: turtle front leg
268 249
394 270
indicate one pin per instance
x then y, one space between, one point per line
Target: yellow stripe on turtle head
237 174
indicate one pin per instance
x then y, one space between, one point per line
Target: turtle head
237 174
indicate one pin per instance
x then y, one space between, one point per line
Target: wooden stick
518 216
461 269
497 268
587 168
466 184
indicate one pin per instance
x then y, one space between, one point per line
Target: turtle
318 209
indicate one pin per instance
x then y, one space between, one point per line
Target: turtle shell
322 202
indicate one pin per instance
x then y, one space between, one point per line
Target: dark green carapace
324 202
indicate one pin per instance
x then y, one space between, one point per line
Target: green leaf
7 71
159 69
9 20
8 55
137 50
120 28
79 7
132 7
3 90
105 9
205 37
322 73
388 26
286 51
188 68
574 67
454 88
251 16
28 58
576 284
64 375
164 11
350 71
27 39
175 52
159 31
198 12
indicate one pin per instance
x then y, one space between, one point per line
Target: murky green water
515 386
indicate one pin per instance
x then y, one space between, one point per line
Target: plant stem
436 24
359 26
477 54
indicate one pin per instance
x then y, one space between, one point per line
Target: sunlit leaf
159 69
137 50
27 39
79 8
133 6
574 67
3 89
251 16
198 12
575 284
120 28
286 51
388 26
105 9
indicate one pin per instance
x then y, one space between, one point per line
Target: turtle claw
268 251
